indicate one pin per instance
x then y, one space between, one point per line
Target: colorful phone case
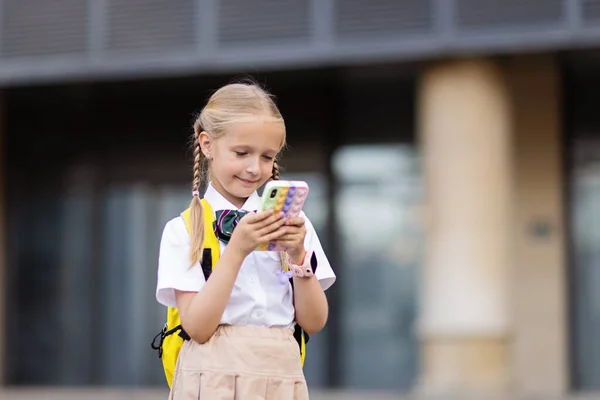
286 196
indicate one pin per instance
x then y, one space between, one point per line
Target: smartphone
286 196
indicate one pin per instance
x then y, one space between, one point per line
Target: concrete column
465 128
539 299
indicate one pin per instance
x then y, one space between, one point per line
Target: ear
205 144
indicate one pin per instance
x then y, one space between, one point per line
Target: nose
253 165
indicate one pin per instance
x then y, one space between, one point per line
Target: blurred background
452 148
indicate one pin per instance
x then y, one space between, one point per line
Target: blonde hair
230 104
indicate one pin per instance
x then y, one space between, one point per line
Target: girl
241 320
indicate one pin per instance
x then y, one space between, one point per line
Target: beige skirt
241 363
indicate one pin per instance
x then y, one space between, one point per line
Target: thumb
250 217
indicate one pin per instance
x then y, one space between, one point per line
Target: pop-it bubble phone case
286 196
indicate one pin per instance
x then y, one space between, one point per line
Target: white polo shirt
258 298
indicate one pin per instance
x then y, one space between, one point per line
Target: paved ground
101 394
115 394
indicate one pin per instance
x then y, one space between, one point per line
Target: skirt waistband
254 332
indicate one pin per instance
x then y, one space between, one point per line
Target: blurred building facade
464 132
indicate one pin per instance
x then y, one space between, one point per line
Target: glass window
585 188
134 216
378 195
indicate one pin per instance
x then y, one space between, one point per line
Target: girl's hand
255 229
293 239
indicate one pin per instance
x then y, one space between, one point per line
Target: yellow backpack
172 336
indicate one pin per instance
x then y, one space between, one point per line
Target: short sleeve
174 270
324 272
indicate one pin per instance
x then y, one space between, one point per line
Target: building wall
503 317
3 249
540 353
113 169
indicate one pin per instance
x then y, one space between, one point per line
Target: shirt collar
218 202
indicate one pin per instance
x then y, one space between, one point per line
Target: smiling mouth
246 181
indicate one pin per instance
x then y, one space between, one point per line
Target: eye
241 153
268 158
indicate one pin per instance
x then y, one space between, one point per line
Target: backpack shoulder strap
212 250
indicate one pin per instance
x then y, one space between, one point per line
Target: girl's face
241 161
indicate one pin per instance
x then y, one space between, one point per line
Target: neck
238 202
235 201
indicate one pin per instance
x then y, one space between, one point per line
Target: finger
289 239
291 230
259 216
272 227
269 220
250 218
294 231
273 236
290 236
295 221
287 245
